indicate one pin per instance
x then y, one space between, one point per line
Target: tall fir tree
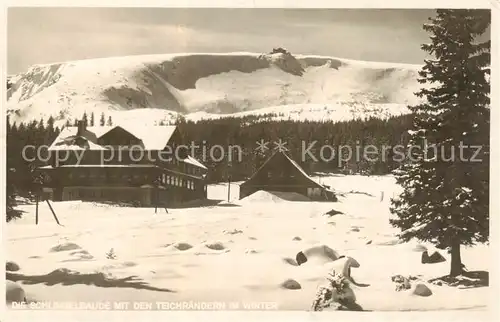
445 184
50 123
110 121
102 120
91 123
85 119
11 211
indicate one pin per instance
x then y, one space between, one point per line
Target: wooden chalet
123 164
281 173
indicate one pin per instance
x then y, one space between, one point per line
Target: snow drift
210 85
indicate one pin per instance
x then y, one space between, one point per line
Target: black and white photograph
248 159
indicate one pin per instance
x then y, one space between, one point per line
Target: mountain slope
212 85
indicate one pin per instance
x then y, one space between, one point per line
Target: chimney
81 128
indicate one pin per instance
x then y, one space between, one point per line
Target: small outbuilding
281 173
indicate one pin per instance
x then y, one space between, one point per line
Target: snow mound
14 292
290 261
290 284
421 290
274 196
82 255
343 265
182 246
11 266
215 245
317 254
64 247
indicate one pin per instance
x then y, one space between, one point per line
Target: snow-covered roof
193 161
153 137
296 165
61 145
101 166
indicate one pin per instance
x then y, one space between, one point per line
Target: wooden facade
281 173
113 164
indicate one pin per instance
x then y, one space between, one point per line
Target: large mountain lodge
142 165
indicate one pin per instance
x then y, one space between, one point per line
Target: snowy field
241 251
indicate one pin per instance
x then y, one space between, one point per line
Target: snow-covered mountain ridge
160 87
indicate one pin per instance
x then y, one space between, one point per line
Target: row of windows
166 179
186 168
192 170
177 182
92 175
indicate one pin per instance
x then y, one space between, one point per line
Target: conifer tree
50 123
445 187
110 121
11 211
91 123
85 119
102 120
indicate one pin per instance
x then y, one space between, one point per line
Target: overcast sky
44 35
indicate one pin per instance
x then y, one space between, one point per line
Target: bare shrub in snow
111 254
402 283
335 294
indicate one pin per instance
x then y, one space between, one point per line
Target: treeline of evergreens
28 137
328 135
236 132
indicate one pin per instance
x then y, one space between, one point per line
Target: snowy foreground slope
226 253
159 87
